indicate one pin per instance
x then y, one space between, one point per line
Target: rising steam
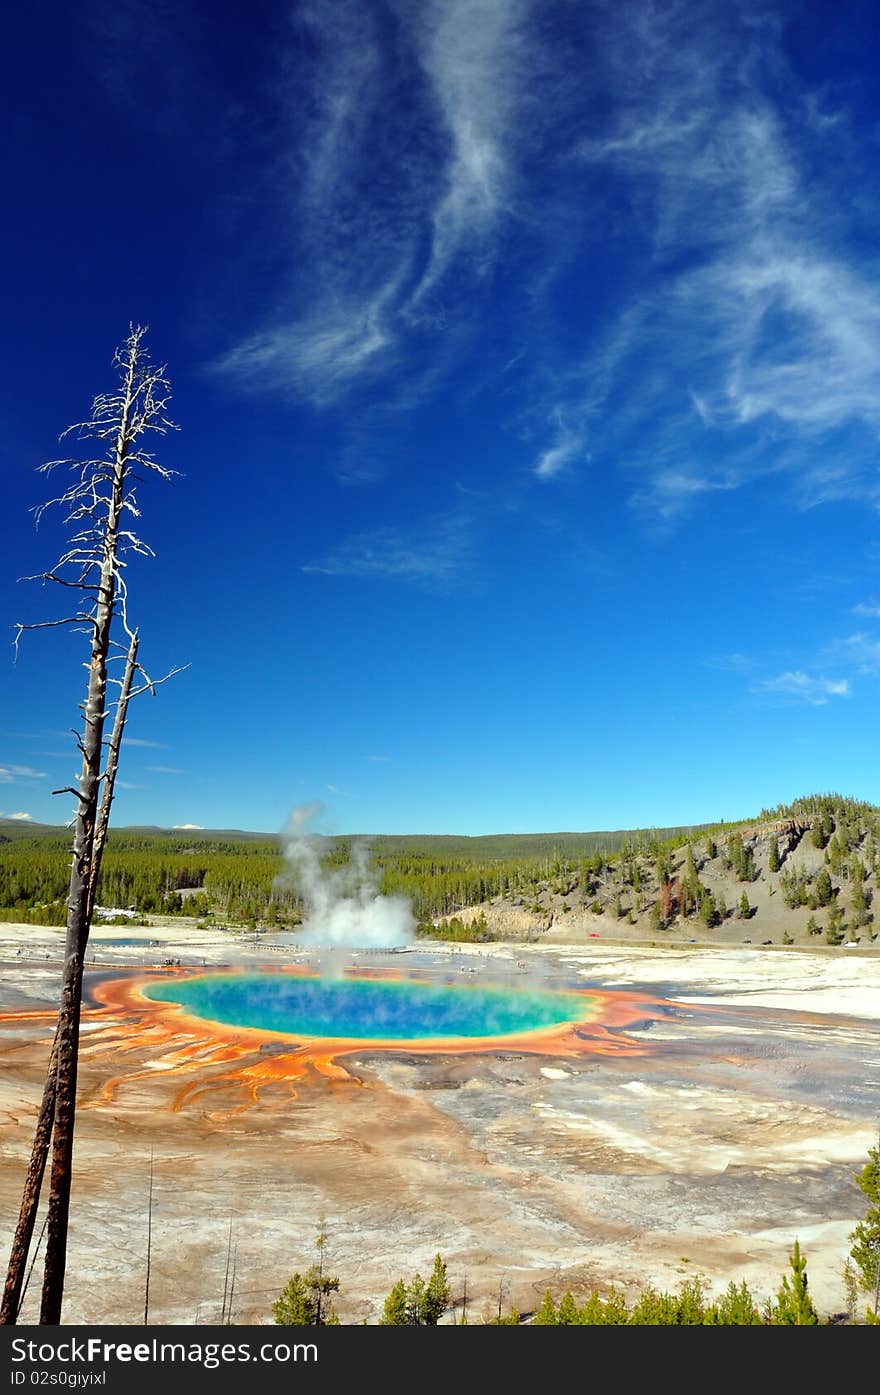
342 906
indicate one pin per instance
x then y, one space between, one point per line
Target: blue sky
527 362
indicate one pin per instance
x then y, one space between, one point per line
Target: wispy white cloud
346 44
400 168
319 355
701 407
139 741
476 57
20 815
12 774
165 770
802 687
420 153
802 335
567 448
860 649
383 760
673 491
431 555
869 609
182 826
754 316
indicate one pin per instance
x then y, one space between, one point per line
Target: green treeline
250 880
419 1303
242 882
838 806
243 878
149 874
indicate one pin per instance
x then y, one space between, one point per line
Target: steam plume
342 906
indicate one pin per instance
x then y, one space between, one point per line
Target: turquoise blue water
378 1009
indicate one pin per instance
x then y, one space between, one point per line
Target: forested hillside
804 872
243 875
800 874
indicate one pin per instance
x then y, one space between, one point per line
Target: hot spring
370 1009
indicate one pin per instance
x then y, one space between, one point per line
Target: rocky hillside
801 880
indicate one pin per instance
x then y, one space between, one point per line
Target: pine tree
295 1306
612 1312
592 1314
865 1251
654 1309
708 909
568 1315
436 1297
836 927
418 1304
794 1306
851 1287
616 1311
415 1299
546 1315
860 896
773 858
304 1301
836 853
690 866
691 1304
394 1312
736 1308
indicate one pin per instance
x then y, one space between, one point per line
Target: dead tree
13 1291
149 1246
100 503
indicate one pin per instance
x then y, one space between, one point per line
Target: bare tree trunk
226 1275
33 1262
82 882
43 1133
31 1198
62 1131
232 1287
149 1246
112 767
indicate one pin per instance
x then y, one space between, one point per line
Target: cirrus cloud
798 686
